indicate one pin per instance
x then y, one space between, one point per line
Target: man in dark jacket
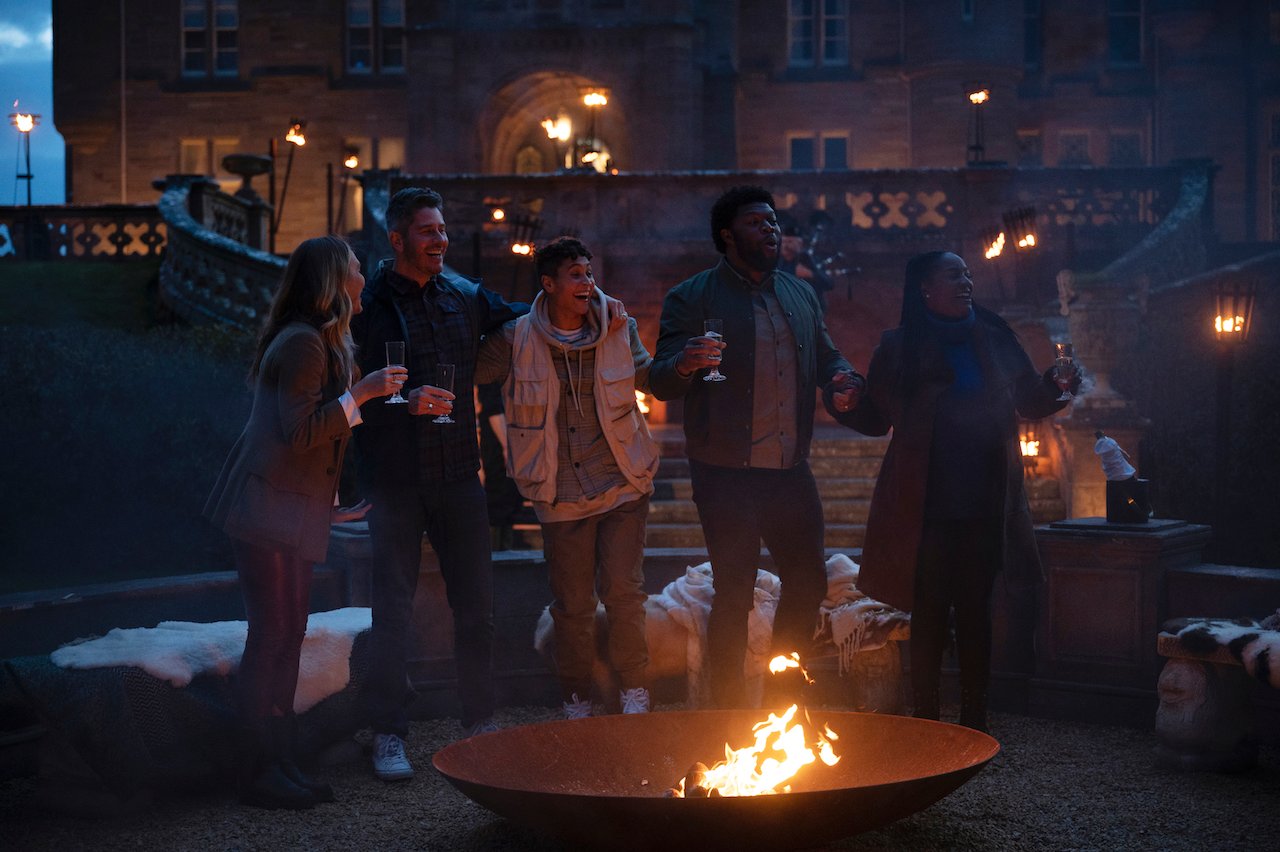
747 437
420 475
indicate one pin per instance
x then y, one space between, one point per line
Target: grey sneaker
389 760
484 726
635 700
576 708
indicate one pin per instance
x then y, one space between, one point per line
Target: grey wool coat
896 519
277 487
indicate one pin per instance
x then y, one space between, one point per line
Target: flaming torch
25 122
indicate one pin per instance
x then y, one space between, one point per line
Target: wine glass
714 329
395 358
1063 361
444 379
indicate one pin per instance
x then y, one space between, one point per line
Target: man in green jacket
747 437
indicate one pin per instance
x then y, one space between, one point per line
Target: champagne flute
714 329
395 358
1063 361
444 379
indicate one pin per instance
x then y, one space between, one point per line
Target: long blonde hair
313 291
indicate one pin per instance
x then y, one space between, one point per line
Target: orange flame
779 752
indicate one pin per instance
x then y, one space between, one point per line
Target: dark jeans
276 586
956 568
604 551
738 508
455 518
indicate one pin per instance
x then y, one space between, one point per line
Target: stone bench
1205 718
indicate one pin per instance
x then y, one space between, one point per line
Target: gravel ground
1054 785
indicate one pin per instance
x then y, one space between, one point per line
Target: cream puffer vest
531 396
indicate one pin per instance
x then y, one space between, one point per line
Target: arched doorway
569 120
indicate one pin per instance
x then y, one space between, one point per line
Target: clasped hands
846 391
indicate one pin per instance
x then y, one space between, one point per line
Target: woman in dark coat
275 497
949 510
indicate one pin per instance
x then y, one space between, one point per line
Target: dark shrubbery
112 441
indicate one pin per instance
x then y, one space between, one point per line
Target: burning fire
642 402
766 767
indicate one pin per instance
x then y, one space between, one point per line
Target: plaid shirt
441 323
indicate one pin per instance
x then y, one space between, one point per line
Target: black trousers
955 569
740 507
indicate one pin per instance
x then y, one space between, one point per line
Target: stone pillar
1100 613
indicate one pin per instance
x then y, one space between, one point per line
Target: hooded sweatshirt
577 444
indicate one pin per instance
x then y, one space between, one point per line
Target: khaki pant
601 554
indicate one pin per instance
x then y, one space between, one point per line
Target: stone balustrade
208 276
114 232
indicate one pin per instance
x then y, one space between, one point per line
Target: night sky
26 76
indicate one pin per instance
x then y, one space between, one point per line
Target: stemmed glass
714 329
395 358
1063 361
444 379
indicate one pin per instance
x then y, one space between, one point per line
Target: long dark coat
896 520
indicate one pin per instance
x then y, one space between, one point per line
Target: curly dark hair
728 204
408 201
548 258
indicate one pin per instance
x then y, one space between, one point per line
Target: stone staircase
845 465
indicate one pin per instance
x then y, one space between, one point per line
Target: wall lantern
1029 444
1233 310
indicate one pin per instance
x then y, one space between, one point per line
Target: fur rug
178 651
676 628
1253 644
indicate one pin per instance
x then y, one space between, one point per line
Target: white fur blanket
851 620
1255 645
178 651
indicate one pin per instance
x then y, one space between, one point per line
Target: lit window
210 38
818 33
375 36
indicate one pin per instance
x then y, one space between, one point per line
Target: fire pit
600 782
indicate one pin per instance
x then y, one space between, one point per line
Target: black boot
263 783
288 725
973 708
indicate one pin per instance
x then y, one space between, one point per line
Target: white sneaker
635 700
577 708
389 760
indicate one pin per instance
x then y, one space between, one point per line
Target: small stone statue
1128 497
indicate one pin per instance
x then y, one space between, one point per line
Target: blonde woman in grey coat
276 497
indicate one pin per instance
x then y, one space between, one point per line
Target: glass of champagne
1063 362
714 329
395 358
444 379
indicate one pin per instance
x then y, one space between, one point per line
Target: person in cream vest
580 450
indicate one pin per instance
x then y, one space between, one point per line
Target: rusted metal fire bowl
599 782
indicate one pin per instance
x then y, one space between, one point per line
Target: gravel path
1054 786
